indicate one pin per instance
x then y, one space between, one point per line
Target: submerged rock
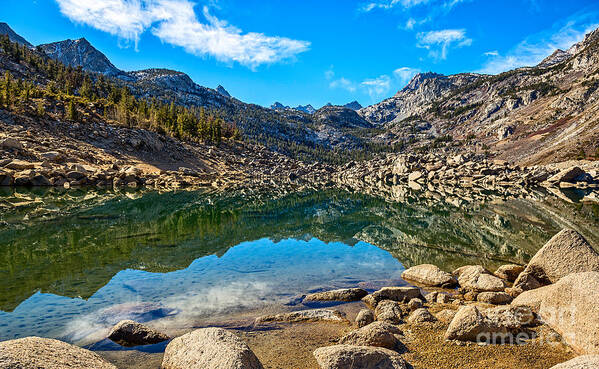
44 353
378 334
353 357
312 315
209 348
429 275
565 253
130 333
346 294
365 317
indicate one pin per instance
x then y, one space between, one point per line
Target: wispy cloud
532 50
439 42
175 22
344 84
374 87
407 4
377 86
491 53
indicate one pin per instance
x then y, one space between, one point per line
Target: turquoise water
73 263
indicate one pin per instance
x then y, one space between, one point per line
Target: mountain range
536 114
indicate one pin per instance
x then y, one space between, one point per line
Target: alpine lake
75 262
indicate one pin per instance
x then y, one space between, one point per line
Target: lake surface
73 263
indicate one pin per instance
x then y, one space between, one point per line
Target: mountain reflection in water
75 261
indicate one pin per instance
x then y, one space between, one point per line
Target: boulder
6 179
581 362
421 315
44 353
414 176
312 315
495 298
509 272
377 334
431 297
443 298
11 143
364 317
388 311
129 333
566 175
346 294
209 348
415 304
567 252
446 315
570 308
400 294
40 180
496 325
428 275
363 357
52 156
478 279
17 164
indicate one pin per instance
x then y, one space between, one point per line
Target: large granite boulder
478 279
581 362
209 348
400 294
429 275
569 307
378 334
44 353
353 357
496 325
345 294
495 298
421 315
567 252
129 333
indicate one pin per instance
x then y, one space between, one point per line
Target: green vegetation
78 92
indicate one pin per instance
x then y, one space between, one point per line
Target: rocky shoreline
545 310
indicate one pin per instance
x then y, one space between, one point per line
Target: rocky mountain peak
557 57
12 35
221 90
354 105
81 53
419 79
340 117
308 109
278 106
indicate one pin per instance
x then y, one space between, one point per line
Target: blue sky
310 51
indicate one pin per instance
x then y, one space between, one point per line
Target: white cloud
491 53
407 4
439 42
377 86
374 87
343 83
175 22
405 74
535 48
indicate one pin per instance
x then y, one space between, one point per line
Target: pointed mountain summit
308 109
354 105
81 53
12 35
221 90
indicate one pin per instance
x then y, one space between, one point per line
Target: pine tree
71 111
41 111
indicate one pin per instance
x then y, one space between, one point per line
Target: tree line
76 90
